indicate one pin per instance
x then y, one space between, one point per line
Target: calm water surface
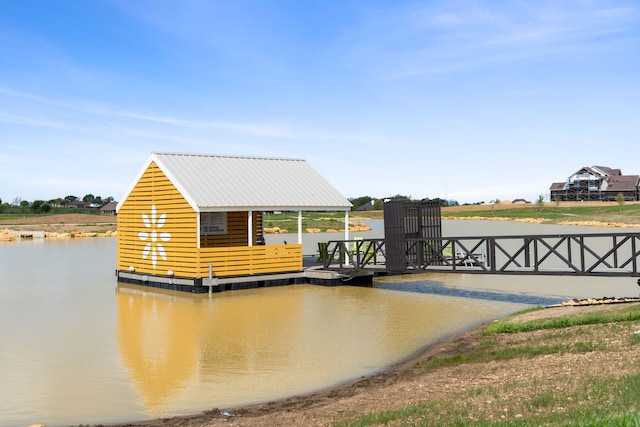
76 348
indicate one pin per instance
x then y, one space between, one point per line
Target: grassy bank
552 213
574 370
320 220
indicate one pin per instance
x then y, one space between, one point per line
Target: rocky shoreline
7 235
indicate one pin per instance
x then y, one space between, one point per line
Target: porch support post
346 225
198 227
299 227
250 228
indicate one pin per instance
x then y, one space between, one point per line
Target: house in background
78 204
189 219
109 209
365 207
598 183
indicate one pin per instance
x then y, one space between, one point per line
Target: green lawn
627 213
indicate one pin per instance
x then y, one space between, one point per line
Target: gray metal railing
609 254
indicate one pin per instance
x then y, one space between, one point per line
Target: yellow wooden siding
243 260
179 245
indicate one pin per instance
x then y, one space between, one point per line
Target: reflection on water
428 285
76 349
186 353
527 289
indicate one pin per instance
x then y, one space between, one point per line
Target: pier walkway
610 254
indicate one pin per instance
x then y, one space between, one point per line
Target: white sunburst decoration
153 236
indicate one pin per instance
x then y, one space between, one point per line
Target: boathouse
190 219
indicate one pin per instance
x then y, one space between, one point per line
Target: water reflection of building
157 339
190 352
170 341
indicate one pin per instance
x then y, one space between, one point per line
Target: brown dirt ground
410 383
62 223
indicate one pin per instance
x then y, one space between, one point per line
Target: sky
463 100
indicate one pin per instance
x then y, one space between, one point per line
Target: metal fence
610 254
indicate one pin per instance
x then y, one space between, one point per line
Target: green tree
620 200
540 202
400 197
36 206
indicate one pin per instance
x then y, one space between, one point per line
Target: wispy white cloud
431 39
30 121
36 98
109 116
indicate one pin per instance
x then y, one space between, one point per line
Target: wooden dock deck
312 273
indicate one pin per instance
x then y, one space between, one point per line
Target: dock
357 262
603 254
313 273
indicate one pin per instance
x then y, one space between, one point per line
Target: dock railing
608 254
357 253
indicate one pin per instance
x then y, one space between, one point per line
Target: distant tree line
377 204
59 205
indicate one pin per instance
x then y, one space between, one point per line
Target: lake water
77 348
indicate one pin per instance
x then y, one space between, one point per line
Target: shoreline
409 383
108 229
590 223
11 235
70 225
299 409
60 226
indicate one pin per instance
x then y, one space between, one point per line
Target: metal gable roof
216 182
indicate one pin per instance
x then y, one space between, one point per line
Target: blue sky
465 100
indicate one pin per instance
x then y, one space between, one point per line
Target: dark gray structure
405 225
